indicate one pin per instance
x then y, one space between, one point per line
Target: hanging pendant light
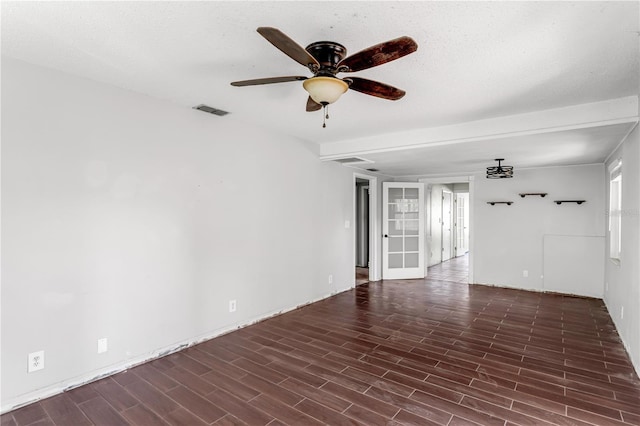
499 171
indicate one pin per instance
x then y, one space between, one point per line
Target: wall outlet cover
102 345
35 361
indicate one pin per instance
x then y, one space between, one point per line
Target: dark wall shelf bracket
493 203
524 194
558 202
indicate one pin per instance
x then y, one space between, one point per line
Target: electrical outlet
102 345
606 287
36 361
621 312
232 305
525 273
330 279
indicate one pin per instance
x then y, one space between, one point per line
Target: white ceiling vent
347 161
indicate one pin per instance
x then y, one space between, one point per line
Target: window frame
615 211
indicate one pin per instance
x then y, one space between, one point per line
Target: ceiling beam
595 114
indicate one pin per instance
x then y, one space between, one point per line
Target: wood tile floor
362 275
419 352
455 269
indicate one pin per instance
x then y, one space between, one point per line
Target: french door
403 230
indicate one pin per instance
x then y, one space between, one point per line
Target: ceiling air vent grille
210 110
351 160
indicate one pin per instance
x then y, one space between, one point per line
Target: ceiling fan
325 59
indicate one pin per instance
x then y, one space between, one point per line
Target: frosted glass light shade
325 90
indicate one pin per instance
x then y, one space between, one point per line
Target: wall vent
210 110
351 160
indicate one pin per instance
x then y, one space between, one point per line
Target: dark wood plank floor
362 275
417 352
455 269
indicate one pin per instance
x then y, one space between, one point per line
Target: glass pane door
403 224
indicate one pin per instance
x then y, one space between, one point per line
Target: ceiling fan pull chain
326 115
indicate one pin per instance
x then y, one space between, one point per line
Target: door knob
386 236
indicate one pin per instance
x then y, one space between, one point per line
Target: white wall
623 279
510 239
460 187
134 219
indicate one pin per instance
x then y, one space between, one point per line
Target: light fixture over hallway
499 171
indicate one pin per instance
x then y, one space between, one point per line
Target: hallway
455 269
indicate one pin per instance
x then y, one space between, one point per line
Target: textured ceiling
475 61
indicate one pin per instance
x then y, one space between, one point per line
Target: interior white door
403 230
467 222
447 229
461 221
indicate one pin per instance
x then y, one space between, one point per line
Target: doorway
362 231
448 227
366 229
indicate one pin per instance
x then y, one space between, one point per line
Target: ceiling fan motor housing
328 54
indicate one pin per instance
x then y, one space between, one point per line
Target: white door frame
471 224
375 271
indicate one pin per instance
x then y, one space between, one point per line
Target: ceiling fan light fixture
325 90
499 171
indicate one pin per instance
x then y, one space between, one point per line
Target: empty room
305 213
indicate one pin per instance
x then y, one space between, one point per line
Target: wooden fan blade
374 88
288 46
312 105
269 80
379 54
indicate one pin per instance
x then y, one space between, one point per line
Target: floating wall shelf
493 203
524 194
558 202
